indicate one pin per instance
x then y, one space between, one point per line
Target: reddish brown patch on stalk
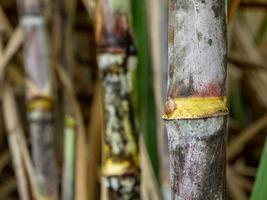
175 90
213 89
121 25
113 32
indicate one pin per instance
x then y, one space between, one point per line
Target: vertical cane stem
64 57
117 63
195 109
39 96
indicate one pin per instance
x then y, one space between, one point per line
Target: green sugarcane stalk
68 180
196 113
39 96
64 57
117 62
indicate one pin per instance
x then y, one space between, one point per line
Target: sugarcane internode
40 116
195 109
121 162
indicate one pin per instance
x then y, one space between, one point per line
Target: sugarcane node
40 103
70 121
195 108
119 168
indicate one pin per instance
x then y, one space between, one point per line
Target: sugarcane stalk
39 96
64 57
195 108
117 62
68 179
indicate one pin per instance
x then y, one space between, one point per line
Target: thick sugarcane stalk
195 109
64 57
39 96
117 63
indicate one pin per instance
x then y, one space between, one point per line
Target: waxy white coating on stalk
197 47
106 59
197 68
36 56
120 164
197 163
113 103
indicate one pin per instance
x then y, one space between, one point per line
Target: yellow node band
196 107
70 121
40 104
112 168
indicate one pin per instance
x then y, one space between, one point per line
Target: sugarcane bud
170 106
